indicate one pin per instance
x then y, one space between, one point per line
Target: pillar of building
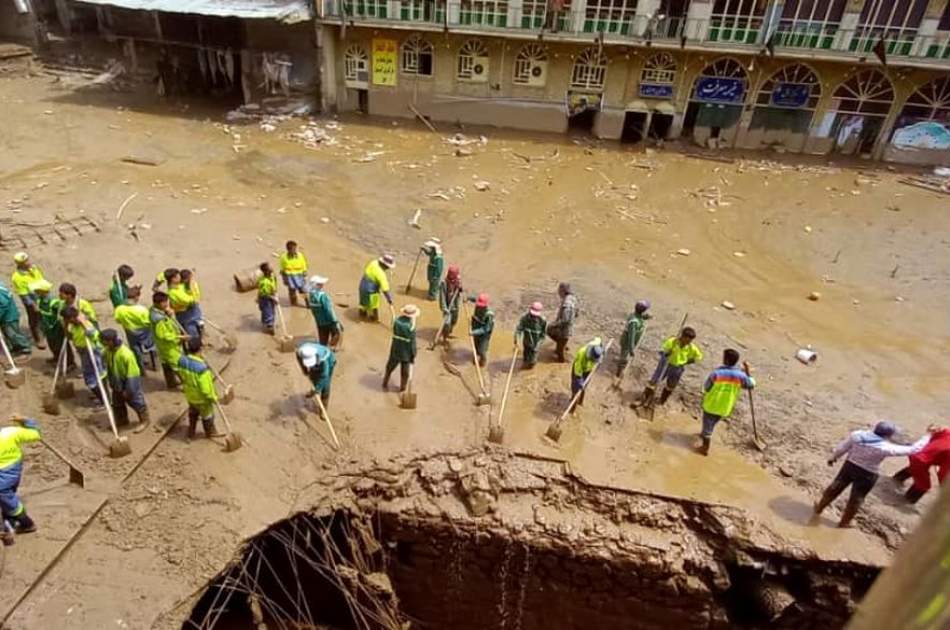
771 18
849 25
392 9
515 11
697 20
646 9
928 27
578 16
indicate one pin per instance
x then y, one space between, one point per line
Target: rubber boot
559 351
665 394
902 475
645 398
6 535
209 429
120 412
192 428
23 524
144 418
913 495
293 297
850 510
703 449
97 397
171 379
403 377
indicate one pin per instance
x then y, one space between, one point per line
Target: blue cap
885 429
595 352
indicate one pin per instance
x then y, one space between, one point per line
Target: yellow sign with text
384 61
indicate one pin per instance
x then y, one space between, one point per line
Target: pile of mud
494 539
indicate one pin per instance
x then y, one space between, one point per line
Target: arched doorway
715 102
924 121
861 103
356 78
784 107
588 76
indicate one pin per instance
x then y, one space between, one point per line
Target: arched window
531 65
590 70
725 67
795 85
931 101
356 66
416 57
659 68
866 92
473 61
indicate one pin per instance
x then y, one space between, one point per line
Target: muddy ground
226 195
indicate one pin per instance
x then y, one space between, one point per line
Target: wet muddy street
518 213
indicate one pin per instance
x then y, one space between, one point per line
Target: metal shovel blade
119 448
65 389
285 343
232 442
554 431
228 395
76 477
14 378
483 399
408 400
496 434
50 404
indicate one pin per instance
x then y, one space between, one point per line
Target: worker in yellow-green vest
722 389
197 381
267 297
125 379
167 336
24 274
137 324
675 354
293 271
51 321
585 360
70 297
183 303
15 518
85 338
374 282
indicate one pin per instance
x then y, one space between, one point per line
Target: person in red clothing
936 453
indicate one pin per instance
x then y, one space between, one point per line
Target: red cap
482 300
453 271
536 308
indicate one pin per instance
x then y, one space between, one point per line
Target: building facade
853 77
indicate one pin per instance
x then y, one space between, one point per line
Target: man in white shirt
866 450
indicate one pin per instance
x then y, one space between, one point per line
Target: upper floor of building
904 32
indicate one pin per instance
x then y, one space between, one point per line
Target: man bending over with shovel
317 361
125 378
85 338
585 359
15 518
675 354
197 381
402 352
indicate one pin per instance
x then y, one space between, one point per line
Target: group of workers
173 327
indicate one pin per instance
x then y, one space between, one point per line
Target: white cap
318 279
308 355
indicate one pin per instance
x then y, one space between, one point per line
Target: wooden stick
424 120
504 396
413 274
326 416
128 200
478 368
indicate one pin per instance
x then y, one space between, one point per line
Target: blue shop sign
720 90
791 94
656 90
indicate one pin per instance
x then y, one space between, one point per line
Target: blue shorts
295 281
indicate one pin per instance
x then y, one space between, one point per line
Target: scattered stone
729 306
898 299
814 296
683 252
808 229
481 185
739 254
324 220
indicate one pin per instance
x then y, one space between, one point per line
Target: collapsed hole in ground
389 570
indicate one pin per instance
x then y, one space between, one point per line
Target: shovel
228 395
285 343
232 439
229 340
14 377
326 416
50 400
554 431
412 275
407 399
496 432
76 476
120 444
649 404
484 398
756 442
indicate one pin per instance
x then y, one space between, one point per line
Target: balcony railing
618 23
